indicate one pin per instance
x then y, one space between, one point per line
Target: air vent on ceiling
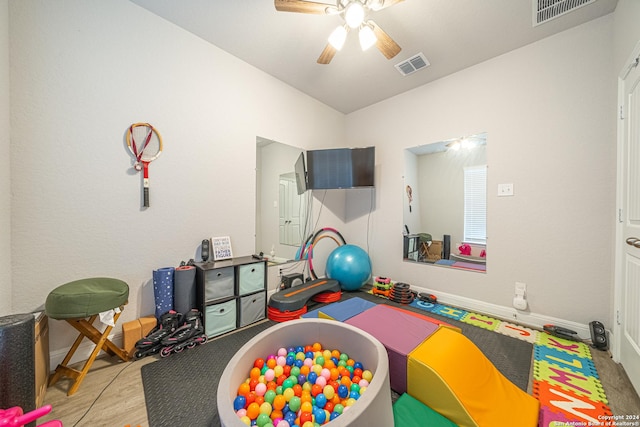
413 64
546 10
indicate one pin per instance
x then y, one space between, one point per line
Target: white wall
548 110
627 31
5 182
82 72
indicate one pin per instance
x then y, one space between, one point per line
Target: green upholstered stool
80 303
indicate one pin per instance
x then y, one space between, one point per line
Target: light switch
505 189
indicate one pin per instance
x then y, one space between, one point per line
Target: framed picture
222 248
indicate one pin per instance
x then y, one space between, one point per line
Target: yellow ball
246 420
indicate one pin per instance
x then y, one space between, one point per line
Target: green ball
269 396
294 404
263 420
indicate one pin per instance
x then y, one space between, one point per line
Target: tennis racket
145 143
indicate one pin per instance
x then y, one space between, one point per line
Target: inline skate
190 334
152 343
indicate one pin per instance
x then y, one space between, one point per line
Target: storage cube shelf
231 293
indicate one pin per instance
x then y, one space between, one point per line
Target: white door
627 329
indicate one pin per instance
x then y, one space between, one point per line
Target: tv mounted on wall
340 168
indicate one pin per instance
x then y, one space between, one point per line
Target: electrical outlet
505 189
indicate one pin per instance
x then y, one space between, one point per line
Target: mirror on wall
280 210
445 203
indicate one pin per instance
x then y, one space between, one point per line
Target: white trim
509 314
614 344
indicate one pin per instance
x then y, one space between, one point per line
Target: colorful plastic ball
328 391
334 415
262 420
253 410
343 391
350 265
354 395
269 396
283 423
261 389
321 400
239 402
294 404
246 420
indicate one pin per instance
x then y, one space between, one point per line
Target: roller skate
186 336
152 343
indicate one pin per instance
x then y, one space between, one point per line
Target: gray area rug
181 389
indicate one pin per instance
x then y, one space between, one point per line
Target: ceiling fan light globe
354 14
367 37
338 37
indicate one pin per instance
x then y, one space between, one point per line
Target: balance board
295 298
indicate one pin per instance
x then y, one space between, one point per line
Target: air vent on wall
413 64
546 10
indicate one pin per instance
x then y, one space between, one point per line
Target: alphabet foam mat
565 380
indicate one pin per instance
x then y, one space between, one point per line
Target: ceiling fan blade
385 44
300 6
376 5
327 54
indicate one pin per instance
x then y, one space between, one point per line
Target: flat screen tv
301 174
340 168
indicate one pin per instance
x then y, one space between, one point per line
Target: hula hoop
317 238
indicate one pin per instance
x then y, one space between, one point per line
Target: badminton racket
145 143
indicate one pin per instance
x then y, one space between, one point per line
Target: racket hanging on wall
145 143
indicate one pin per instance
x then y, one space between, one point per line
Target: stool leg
62 367
102 342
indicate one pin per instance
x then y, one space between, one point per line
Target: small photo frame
221 248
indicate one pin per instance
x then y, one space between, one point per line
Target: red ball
259 363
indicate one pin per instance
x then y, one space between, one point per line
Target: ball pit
365 391
319 373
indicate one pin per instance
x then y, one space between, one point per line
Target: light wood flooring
112 394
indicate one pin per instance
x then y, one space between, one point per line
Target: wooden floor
112 394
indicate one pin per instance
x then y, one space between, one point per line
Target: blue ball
239 402
350 265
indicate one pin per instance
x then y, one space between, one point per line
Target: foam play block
134 330
399 332
410 412
451 375
428 319
313 314
344 310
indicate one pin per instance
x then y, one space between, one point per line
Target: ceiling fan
354 13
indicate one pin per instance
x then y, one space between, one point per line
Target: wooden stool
75 302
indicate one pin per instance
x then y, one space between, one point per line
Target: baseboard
82 353
509 314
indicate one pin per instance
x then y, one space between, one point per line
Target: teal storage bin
220 318
251 278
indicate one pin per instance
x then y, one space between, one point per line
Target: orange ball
254 374
253 410
271 363
259 400
243 389
278 402
305 417
336 354
316 346
297 389
316 389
